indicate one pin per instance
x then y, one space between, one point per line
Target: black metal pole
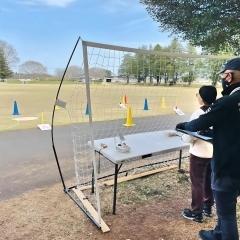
92 181
180 160
115 189
53 146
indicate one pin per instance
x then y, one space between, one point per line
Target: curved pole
53 146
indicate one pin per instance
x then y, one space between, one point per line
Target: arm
217 111
195 115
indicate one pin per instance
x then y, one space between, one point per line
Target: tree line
168 69
137 66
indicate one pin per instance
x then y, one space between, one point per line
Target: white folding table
143 145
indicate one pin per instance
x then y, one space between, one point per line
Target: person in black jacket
224 117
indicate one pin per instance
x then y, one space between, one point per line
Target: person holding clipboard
224 117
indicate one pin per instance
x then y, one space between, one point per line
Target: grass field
32 100
37 100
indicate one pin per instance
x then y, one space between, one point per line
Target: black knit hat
208 94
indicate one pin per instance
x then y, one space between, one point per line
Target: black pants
200 175
226 190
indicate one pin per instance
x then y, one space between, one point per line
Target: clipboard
196 135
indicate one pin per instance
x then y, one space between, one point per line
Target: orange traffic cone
125 99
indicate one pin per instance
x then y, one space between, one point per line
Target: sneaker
197 217
209 235
207 210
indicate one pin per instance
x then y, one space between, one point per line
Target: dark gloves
181 126
207 133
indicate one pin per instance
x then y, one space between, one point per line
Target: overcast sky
47 30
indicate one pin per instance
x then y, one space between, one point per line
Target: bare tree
30 67
9 53
73 72
97 73
34 69
76 72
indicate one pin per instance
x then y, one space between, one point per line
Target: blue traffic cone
145 105
87 111
15 109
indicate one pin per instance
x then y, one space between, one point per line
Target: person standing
200 159
224 117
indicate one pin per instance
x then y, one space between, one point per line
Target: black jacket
224 117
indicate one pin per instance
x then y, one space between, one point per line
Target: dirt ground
147 209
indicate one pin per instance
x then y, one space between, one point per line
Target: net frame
89 110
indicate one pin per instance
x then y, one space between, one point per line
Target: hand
181 126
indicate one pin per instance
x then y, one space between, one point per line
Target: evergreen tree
5 71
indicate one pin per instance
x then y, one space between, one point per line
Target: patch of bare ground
147 209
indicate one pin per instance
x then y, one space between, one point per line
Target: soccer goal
124 92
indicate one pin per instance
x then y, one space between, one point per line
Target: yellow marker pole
163 104
129 122
42 118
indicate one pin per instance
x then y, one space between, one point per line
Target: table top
142 145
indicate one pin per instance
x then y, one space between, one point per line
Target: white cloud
57 3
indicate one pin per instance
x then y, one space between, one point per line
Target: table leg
92 181
180 160
115 189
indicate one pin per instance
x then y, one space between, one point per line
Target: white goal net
129 91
